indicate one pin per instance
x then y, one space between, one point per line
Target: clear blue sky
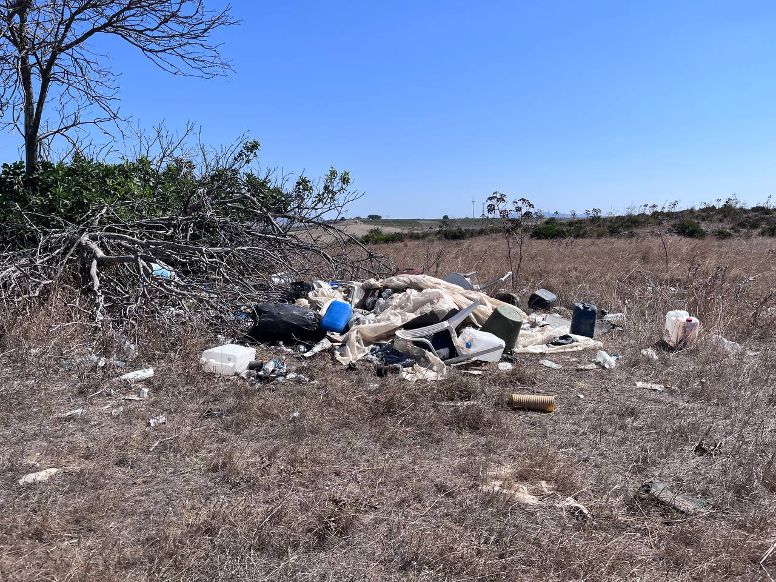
431 104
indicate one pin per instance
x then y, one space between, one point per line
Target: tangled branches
215 248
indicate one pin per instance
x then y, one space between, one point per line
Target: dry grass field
355 477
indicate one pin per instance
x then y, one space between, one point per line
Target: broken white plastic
39 477
227 360
138 375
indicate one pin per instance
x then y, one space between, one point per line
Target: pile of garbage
414 325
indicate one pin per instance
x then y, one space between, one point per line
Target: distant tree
374 216
445 217
46 55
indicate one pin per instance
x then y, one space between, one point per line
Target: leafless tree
47 58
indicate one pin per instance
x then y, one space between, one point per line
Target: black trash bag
280 322
300 289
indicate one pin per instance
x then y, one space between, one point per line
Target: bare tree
47 56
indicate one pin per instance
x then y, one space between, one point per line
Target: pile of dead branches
224 248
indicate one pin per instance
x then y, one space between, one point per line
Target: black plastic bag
279 322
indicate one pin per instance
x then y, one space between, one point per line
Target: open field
357 477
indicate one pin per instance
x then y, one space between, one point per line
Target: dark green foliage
722 233
689 228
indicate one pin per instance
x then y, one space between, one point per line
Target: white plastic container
228 359
681 329
472 341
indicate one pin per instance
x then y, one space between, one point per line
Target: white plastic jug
681 328
472 341
228 359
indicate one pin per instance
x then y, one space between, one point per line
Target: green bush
689 228
722 233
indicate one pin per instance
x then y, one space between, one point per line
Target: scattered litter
580 396
730 347
650 386
227 360
564 340
681 329
605 360
586 367
658 491
535 402
505 366
650 354
138 375
72 413
275 322
542 299
157 420
336 316
142 394
550 364
322 345
583 319
39 476
576 509
615 318
275 368
117 411
505 323
502 480
474 372
702 448
294 415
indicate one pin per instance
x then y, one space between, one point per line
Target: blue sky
433 104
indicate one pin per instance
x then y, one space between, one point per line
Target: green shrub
722 233
689 228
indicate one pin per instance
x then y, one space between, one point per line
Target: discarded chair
467 281
445 331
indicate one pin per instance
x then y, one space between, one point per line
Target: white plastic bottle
472 341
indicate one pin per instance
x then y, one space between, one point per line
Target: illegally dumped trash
412 325
505 323
280 322
681 329
650 386
157 420
138 375
542 299
503 480
39 476
605 360
227 360
550 364
536 402
336 316
650 354
658 491
583 319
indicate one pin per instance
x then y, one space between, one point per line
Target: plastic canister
681 329
542 299
337 316
583 319
473 341
504 323
228 359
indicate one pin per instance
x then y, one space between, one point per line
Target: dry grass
379 479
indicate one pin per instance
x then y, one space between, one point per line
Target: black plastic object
583 319
542 299
279 322
300 289
507 297
563 340
430 318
